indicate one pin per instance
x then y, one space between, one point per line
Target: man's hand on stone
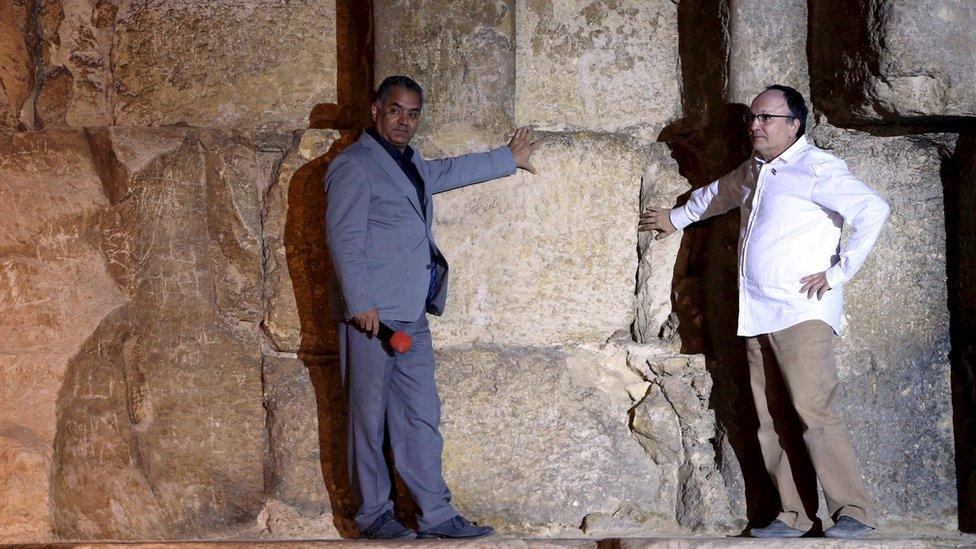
815 284
657 219
522 148
369 321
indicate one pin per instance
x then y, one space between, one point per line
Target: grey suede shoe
456 528
776 529
386 526
847 527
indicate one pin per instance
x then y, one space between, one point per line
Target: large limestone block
535 440
609 66
161 429
54 291
547 259
893 60
892 356
463 54
768 45
15 67
258 63
298 267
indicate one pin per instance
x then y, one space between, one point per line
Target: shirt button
774 171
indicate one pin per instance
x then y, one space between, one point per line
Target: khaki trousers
803 356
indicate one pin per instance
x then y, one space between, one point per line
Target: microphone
399 340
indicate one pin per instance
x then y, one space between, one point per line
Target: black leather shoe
456 528
847 527
776 529
386 526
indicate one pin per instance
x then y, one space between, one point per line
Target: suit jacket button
428 267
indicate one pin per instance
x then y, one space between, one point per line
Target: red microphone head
401 342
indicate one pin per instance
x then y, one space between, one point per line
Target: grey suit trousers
397 392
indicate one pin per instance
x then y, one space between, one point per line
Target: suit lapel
391 168
428 197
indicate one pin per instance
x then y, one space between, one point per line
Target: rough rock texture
533 440
557 279
263 63
75 85
893 357
768 43
463 54
298 266
169 375
675 426
15 73
608 66
259 63
655 270
54 290
888 60
142 373
293 472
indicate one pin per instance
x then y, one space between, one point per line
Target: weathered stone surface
463 54
893 357
609 66
159 434
15 74
656 266
256 63
893 60
768 45
565 273
280 521
54 290
540 437
75 86
293 472
298 266
676 426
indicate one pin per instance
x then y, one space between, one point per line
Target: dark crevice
707 142
354 70
959 186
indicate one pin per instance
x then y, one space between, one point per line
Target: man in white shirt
794 200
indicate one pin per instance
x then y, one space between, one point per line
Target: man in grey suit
389 269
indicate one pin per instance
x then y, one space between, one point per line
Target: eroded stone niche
167 369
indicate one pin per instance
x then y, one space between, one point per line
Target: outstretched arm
716 198
450 173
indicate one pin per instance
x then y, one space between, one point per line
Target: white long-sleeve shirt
793 210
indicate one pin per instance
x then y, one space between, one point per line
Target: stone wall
154 268
167 367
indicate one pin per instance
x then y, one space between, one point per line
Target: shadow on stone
707 143
959 186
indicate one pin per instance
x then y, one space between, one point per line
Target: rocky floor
947 540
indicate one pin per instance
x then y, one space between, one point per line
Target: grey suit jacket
381 244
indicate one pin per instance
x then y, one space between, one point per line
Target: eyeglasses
763 118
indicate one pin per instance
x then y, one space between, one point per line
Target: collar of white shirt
790 153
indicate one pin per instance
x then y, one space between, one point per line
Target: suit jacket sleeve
445 174
347 210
